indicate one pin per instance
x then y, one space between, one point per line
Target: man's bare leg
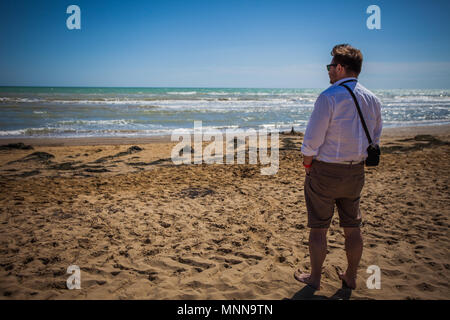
317 252
353 248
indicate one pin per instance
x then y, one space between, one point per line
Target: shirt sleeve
378 125
317 126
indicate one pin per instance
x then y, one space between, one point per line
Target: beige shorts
330 184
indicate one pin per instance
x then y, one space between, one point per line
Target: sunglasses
331 65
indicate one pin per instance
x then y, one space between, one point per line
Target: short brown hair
348 56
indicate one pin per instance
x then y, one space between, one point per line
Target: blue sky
246 43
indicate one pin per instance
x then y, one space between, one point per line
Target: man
334 150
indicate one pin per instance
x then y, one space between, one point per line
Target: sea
138 112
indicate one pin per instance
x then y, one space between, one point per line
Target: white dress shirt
334 132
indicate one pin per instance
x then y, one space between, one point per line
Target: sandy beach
140 227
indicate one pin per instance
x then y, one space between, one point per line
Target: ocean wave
19 100
153 102
413 123
97 122
34 131
182 92
58 132
279 126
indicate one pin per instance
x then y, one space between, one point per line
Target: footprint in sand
425 287
198 266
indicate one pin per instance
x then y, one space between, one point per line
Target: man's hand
307 170
307 161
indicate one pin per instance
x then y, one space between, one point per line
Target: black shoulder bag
373 150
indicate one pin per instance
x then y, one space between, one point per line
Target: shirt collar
342 80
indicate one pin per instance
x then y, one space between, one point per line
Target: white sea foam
182 92
12 132
97 122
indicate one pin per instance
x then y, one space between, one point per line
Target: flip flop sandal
297 277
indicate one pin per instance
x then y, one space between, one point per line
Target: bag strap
359 110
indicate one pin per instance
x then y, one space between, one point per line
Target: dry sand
140 227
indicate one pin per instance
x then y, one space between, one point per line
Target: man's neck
344 78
